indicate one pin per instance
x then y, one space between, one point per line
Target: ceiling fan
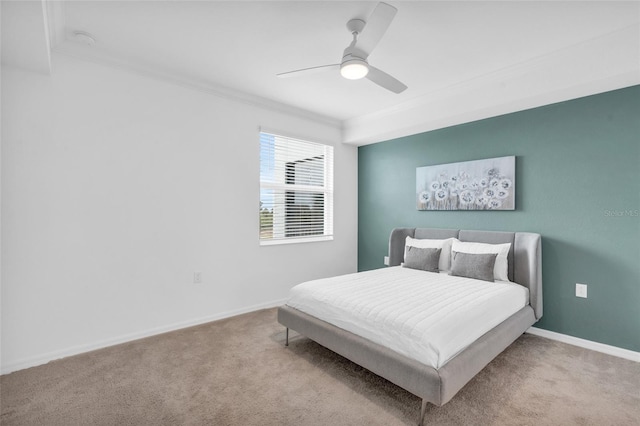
366 36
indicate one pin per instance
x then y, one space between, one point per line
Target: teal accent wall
577 184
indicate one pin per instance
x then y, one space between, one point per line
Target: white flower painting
471 185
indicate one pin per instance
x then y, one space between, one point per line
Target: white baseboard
45 358
587 344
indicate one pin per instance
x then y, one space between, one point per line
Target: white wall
116 187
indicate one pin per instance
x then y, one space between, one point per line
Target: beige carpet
237 372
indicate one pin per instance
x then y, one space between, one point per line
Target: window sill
296 240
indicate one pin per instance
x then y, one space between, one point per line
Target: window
296 190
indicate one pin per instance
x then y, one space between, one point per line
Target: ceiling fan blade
383 79
375 28
312 70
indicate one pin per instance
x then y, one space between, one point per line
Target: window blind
296 190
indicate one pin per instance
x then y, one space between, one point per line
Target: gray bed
436 386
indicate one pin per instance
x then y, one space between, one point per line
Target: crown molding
74 50
602 64
55 22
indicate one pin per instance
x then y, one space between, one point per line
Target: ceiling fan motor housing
354 63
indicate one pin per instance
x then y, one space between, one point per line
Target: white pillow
444 264
501 268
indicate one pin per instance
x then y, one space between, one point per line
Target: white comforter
426 316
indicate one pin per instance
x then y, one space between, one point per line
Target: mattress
426 316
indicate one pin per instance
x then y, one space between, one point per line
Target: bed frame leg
423 411
286 341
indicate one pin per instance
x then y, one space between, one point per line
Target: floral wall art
471 185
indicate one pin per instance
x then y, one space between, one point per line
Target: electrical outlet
386 260
581 290
197 277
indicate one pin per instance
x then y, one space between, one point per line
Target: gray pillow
425 259
478 266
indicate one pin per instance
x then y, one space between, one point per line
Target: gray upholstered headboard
525 256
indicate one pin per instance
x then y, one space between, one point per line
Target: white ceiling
461 60
25 41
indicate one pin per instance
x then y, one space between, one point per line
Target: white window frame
280 186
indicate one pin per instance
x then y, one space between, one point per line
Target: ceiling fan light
354 69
